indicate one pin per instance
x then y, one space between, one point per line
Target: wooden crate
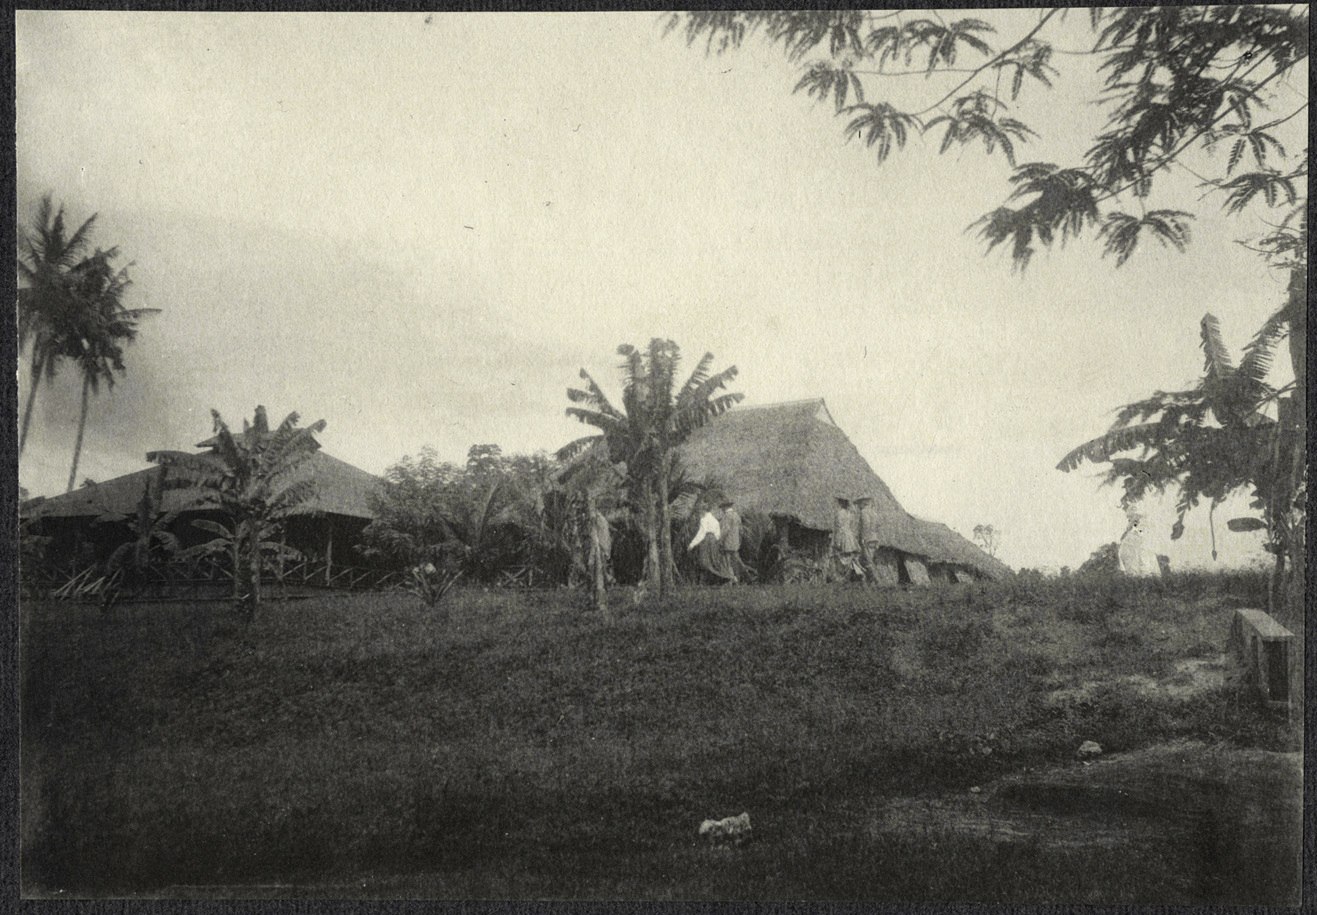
1263 653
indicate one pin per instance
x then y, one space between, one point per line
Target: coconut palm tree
46 263
656 418
94 330
248 478
70 308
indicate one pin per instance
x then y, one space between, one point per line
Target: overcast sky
419 228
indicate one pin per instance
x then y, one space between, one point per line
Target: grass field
355 746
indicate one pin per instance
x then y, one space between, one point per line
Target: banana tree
1213 440
152 546
656 418
251 545
248 479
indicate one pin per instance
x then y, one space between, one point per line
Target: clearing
354 746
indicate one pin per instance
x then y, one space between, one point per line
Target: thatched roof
791 459
340 489
950 547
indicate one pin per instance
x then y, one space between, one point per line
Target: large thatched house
86 525
791 462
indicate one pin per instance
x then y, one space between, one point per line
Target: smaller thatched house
791 462
87 524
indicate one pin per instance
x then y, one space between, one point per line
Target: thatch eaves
953 548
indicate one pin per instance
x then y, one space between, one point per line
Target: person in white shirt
708 549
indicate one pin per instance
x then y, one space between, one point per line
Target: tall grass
528 748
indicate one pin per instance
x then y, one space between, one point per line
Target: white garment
1133 558
708 525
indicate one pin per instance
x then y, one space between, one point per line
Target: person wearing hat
730 540
846 538
870 542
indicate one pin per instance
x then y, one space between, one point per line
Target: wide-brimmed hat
725 502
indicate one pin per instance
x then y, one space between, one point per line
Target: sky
420 227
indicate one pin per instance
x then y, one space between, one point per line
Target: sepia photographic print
833 456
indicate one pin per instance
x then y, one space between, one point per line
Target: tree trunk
255 563
597 563
236 561
329 551
82 426
652 574
667 568
38 367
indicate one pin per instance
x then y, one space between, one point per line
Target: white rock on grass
1088 749
734 830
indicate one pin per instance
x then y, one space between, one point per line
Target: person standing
875 569
868 521
846 539
708 549
1131 556
731 541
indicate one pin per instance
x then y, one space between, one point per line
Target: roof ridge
779 403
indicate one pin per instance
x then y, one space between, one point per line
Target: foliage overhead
1178 83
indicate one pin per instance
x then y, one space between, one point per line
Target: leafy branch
1175 75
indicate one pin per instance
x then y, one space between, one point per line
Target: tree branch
1171 156
923 73
1280 121
988 63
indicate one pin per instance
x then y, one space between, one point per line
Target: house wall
82 542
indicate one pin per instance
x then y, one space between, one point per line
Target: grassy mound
353 745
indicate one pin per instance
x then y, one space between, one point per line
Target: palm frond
593 396
225 444
706 388
606 423
1112 442
261 422
574 449
697 378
